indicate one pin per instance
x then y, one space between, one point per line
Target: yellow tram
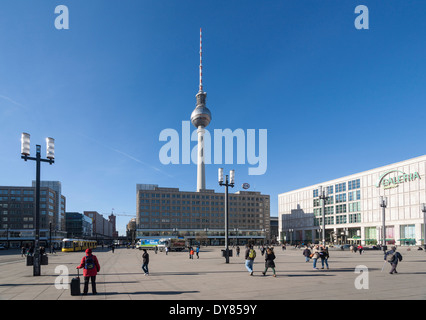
71 245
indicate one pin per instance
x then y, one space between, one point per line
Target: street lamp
424 225
227 184
323 195
383 203
50 155
290 233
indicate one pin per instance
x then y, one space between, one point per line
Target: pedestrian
250 256
23 250
262 250
315 255
167 250
112 248
393 257
145 261
307 254
269 261
324 257
191 253
156 249
91 268
197 251
238 250
361 249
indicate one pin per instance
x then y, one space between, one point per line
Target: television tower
201 118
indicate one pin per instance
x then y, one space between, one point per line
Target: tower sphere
201 116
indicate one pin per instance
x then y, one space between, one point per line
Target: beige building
352 210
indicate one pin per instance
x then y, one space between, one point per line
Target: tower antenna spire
201 61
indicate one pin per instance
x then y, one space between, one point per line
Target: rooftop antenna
201 61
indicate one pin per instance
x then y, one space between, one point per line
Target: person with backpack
91 268
393 257
307 254
250 256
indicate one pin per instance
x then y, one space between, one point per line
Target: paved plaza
176 277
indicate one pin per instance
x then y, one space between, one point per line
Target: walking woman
324 257
269 261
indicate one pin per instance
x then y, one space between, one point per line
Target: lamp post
50 155
424 225
323 195
383 203
227 184
236 235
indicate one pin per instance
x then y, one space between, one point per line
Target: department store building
353 214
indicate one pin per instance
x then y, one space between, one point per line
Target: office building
17 216
78 225
165 212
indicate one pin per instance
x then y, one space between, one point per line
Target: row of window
351 196
340 187
341 219
341 208
25 192
194 214
195 196
25 199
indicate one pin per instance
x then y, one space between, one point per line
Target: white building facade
353 214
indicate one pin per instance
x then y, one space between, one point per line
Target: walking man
145 261
307 254
393 257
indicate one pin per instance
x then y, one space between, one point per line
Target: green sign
400 177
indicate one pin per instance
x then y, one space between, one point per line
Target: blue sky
335 100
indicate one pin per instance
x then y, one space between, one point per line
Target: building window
355 206
354 195
340 219
341 187
355 218
354 184
340 197
341 208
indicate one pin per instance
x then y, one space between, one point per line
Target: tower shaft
201 173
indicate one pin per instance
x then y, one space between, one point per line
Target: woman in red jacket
91 268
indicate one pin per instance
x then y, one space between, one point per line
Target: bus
147 243
73 245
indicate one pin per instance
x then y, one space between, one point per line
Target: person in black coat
145 262
393 257
269 261
307 254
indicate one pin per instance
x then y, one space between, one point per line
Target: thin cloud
129 156
12 101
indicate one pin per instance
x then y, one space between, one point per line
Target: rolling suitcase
75 285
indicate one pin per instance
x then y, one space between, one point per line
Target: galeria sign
388 181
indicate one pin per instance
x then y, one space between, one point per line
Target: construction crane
123 214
